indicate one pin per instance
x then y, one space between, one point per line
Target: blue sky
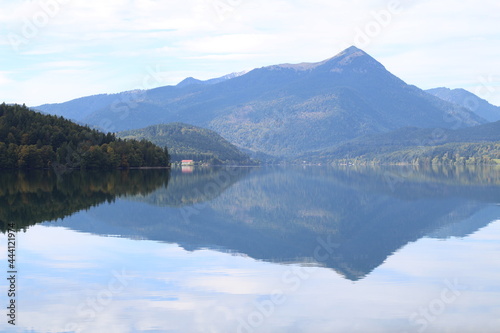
57 50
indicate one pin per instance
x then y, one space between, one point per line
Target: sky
53 51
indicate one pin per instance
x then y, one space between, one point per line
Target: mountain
189 142
285 110
79 108
475 145
467 99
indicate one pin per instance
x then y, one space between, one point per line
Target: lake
270 249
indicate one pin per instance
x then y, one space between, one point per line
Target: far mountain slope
78 109
479 144
467 99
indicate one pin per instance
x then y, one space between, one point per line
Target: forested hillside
187 142
31 140
473 145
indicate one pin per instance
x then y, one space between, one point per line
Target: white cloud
45 50
4 78
66 63
234 43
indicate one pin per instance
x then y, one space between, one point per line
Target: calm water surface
310 249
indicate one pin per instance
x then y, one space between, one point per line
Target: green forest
32 140
448 154
471 145
187 142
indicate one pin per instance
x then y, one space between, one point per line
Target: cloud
67 63
45 50
4 78
233 43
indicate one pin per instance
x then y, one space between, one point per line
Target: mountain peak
348 55
188 81
352 49
352 59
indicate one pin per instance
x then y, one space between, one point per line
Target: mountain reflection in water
350 219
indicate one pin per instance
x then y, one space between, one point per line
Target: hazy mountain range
281 110
467 99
